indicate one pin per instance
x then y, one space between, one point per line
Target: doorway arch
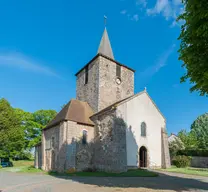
143 157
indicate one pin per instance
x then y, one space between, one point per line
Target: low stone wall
201 162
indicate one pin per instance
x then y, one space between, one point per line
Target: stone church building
107 127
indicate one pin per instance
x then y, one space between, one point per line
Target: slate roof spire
105 45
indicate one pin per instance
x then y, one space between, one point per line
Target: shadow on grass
162 182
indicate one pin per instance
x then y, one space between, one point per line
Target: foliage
175 146
181 161
197 152
200 130
20 131
188 139
11 133
194 44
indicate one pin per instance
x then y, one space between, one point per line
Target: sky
44 43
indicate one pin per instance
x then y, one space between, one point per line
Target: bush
182 161
198 152
0 166
90 170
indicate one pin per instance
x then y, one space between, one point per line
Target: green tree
194 44
33 123
199 129
189 139
11 133
175 146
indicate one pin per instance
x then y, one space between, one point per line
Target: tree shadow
162 182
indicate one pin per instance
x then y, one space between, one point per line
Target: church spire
105 45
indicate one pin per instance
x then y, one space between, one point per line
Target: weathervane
105 20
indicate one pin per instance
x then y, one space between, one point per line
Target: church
107 127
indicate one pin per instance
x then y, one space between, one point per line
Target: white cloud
123 12
169 9
135 17
141 2
161 62
21 61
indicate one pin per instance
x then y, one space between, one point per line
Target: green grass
188 170
22 166
130 173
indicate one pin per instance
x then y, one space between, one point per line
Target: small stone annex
107 127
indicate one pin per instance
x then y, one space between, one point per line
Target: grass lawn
22 166
130 173
188 170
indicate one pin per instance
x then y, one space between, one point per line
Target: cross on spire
105 20
105 45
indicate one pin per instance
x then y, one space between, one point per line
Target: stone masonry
102 89
110 143
165 149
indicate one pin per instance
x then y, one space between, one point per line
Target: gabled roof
105 46
75 110
125 100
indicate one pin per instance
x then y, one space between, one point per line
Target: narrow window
84 137
86 74
118 71
52 142
143 129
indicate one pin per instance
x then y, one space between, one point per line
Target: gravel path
168 182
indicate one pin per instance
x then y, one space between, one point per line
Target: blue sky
44 43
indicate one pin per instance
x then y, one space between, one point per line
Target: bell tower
104 81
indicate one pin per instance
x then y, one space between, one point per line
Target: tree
175 146
194 44
199 129
11 133
188 138
33 123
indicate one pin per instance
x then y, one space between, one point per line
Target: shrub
182 161
198 152
90 170
0 166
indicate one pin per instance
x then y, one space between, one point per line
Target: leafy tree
175 146
33 123
194 44
189 139
11 133
199 129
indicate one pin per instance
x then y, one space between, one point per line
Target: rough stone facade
201 162
89 92
102 89
165 150
109 91
38 157
63 153
110 143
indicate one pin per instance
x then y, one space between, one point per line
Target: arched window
84 137
143 129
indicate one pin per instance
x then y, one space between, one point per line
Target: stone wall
78 155
109 91
110 143
50 153
165 150
38 157
200 162
102 89
89 92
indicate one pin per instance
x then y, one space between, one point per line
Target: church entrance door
143 157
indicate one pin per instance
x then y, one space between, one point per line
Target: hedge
197 152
